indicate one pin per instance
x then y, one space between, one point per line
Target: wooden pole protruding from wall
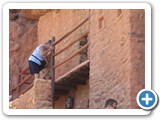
52 70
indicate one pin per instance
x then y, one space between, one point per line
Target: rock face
22 41
33 14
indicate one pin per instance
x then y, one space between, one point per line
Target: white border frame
8 6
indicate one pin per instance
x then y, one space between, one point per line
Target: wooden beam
73 55
52 71
68 33
23 71
17 88
25 90
26 73
85 63
26 79
28 83
73 42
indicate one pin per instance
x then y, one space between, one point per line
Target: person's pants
35 68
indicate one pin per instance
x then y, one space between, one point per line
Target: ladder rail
52 71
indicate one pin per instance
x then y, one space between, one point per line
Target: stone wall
137 59
114 66
39 96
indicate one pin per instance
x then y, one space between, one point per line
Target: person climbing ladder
37 61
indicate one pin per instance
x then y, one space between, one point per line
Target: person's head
47 44
111 104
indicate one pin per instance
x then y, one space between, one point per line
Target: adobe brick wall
113 57
109 55
58 24
137 47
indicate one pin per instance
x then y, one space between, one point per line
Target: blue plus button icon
147 99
